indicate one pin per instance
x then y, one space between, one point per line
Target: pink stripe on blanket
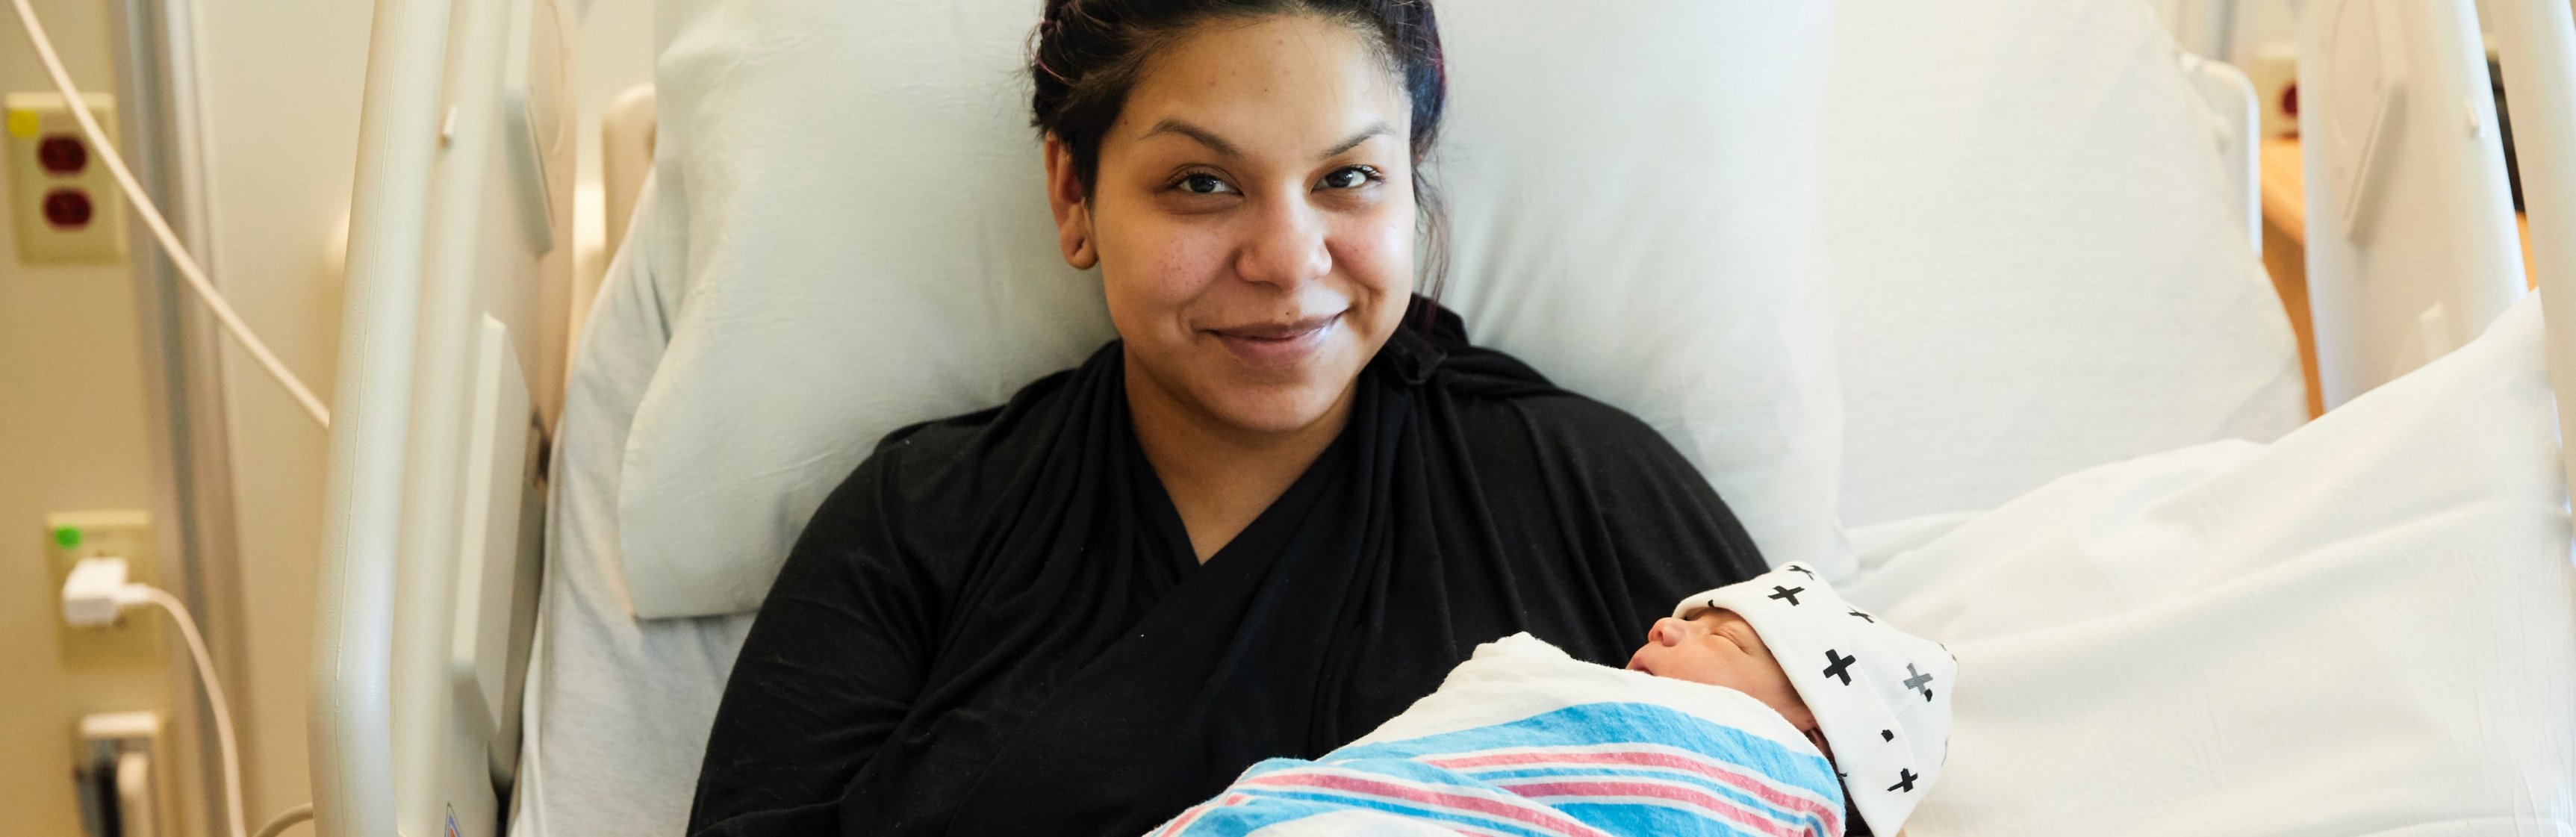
1754 785
1181 824
1461 803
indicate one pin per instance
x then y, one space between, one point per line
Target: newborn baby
1766 707
1713 645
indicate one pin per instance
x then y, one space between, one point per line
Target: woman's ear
1072 211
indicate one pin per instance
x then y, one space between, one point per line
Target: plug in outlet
64 202
72 536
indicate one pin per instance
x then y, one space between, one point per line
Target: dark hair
1088 54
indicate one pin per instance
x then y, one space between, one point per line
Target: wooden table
2285 250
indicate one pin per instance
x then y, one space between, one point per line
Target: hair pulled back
1090 53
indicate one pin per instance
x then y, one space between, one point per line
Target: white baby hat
1881 696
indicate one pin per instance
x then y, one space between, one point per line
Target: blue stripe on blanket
1617 768
1617 723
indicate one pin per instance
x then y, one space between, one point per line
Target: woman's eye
1349 177
1204 184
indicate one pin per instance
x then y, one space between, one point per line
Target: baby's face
1719 648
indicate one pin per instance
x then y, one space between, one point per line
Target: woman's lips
1278 345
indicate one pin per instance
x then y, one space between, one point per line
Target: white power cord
93 596
151 215
279 824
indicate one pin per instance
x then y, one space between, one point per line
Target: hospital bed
2021 321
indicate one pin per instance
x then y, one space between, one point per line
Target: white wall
617 54
281 81
72 438
2256 22
2259 22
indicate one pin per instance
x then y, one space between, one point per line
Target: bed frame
2411 249
451 364
2537 39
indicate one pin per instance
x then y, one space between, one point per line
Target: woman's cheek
1166 266
1376 249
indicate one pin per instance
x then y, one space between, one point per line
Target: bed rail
352 714
431 541
2536 42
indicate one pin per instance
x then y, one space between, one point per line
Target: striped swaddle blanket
1523 740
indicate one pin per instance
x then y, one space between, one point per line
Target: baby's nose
1667 632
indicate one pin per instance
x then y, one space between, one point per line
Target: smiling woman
1260 523
1251 209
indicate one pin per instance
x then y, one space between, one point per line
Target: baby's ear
1817 738
1803 718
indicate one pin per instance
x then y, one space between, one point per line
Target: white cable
95 593
214 698
151 214
284 821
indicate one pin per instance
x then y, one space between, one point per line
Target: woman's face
1252 218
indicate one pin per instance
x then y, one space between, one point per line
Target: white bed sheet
2368 627
618 708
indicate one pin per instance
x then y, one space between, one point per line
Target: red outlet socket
69 209
62 154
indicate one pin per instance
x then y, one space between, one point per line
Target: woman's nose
1286 248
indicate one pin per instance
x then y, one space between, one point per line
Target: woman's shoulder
1569 433
958 462
1498 399
1561 474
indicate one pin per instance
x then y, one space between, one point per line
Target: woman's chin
1278 399
1277 408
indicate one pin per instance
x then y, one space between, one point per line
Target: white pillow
867 247
1632 187
2368 626
2034 261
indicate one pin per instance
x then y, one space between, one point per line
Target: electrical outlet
124 772
2276 87
64 202
134 640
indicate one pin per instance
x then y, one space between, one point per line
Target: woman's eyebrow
1202 135
1218 144
1373 130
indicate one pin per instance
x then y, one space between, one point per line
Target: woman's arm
830 668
